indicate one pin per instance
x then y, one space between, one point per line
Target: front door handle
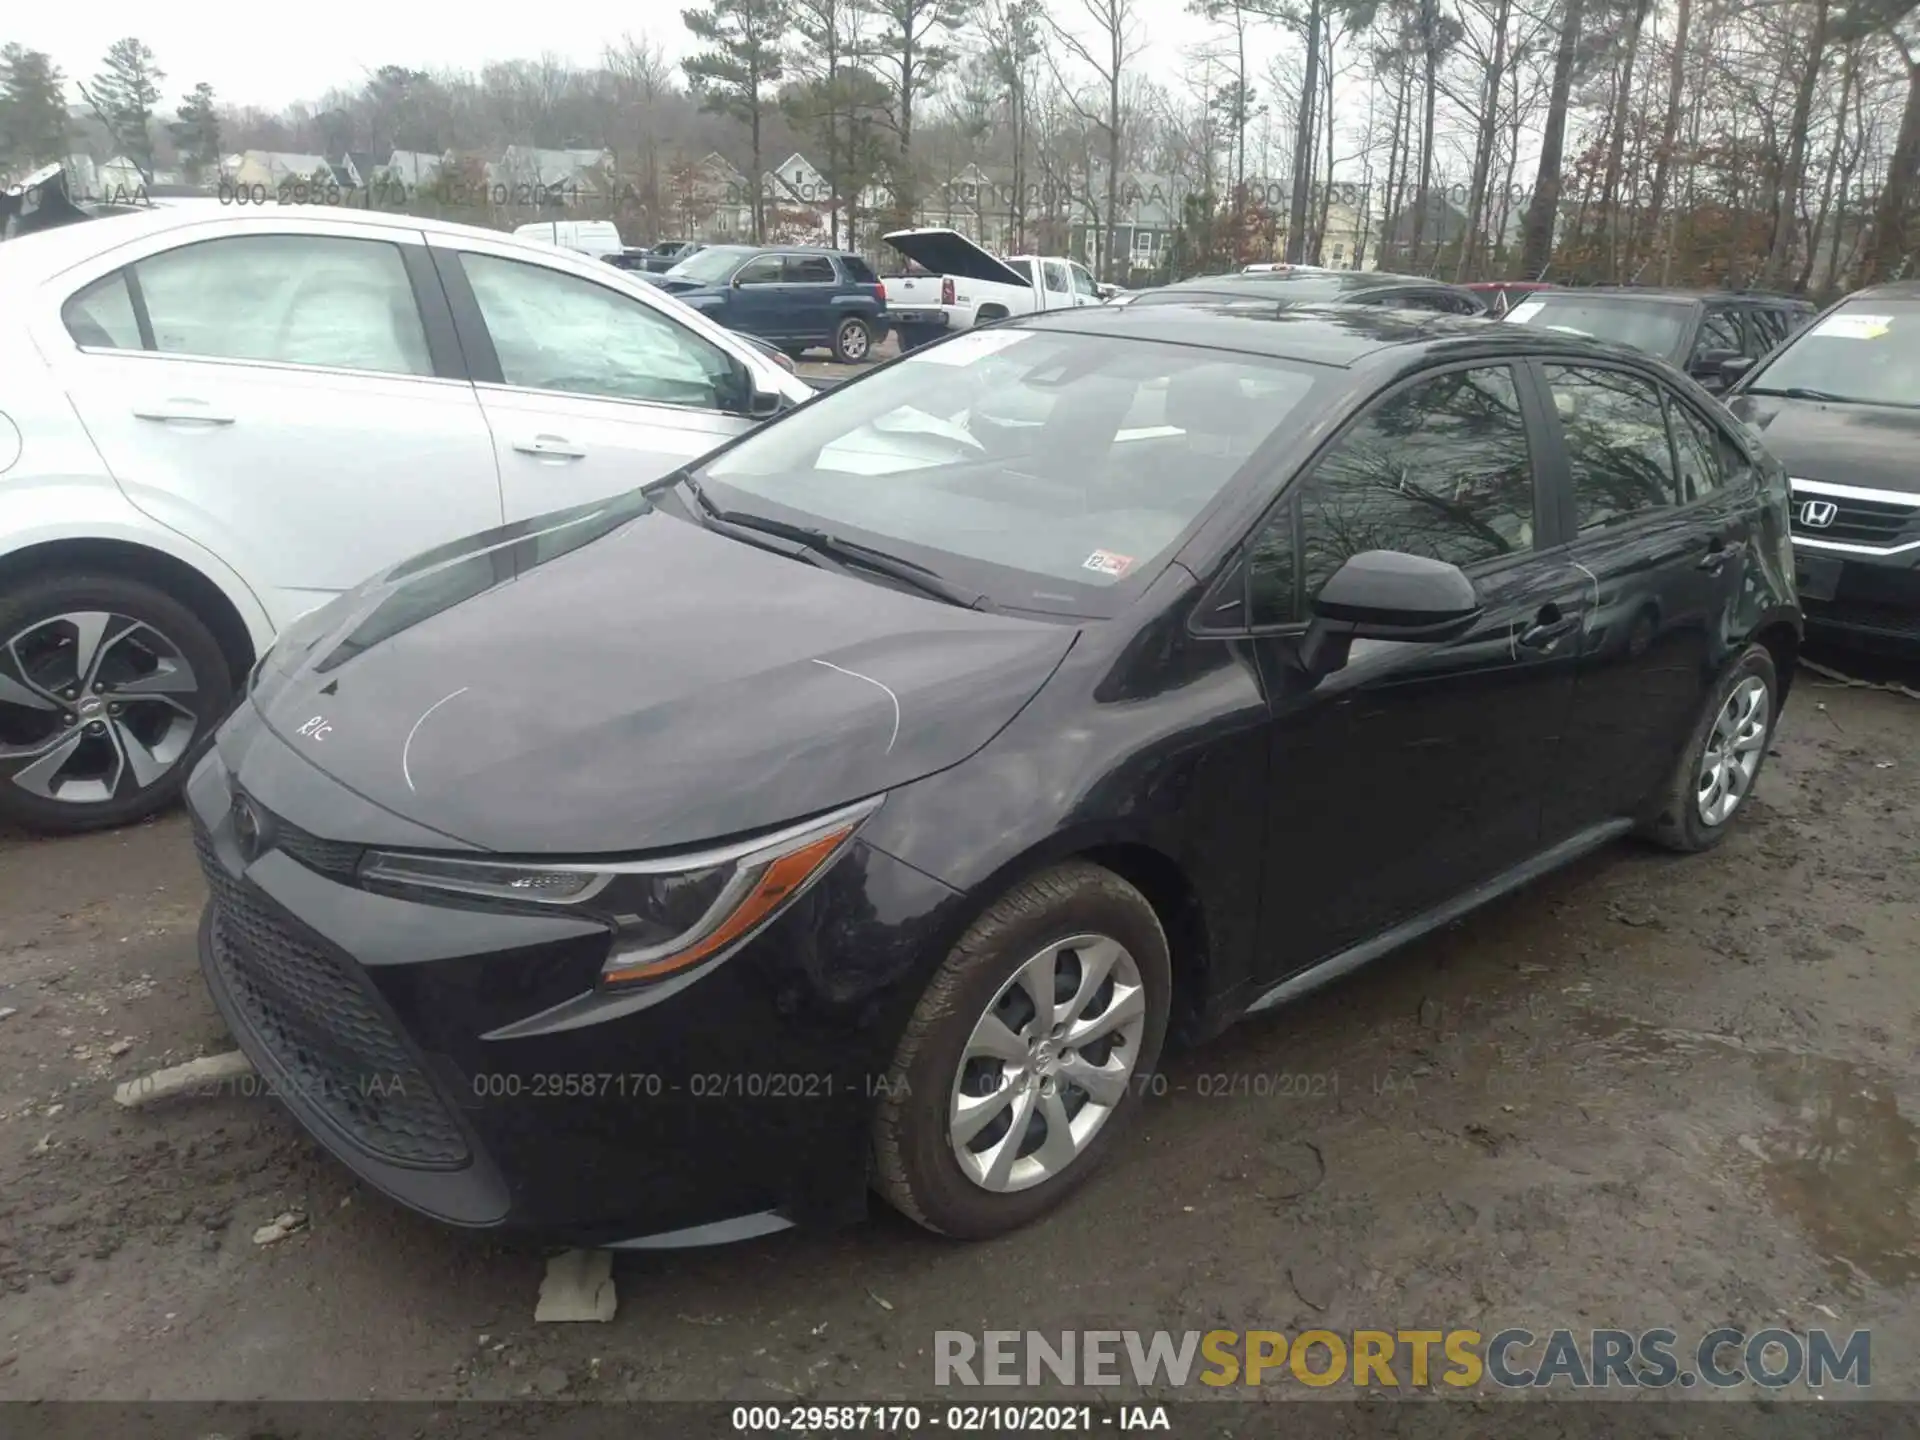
1719 552
1549 628
182 408
550 447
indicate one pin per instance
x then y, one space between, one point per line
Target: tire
912 337
917 1164
118 760
853 341
1679 819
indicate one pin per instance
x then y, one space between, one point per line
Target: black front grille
320 1021
1856 522
334 858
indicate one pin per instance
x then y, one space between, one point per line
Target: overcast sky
301 55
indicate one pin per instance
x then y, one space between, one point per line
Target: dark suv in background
1715 336
797 296
1839 405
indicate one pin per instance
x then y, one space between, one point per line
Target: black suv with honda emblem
1839 405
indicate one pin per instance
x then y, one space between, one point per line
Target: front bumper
447 1057
1857 562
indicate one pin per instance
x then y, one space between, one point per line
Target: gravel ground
1647 1092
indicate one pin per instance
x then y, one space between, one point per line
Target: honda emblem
1818 514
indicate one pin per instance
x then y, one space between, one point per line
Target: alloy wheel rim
853 340
93 706
1047 1063
1733 750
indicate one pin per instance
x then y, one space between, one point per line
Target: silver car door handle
182 409
552 447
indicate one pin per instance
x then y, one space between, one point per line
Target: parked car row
798 297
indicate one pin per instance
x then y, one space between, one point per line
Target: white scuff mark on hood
406 749
895 699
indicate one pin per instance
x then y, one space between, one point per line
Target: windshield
1867 352
711 265
1043 467
1654 326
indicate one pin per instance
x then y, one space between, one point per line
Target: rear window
858 270
1022 268
1655 326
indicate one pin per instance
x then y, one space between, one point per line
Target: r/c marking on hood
871 681
406 771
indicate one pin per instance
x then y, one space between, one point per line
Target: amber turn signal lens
776 885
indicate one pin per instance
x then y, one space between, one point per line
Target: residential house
708 199
271 169
527 175
411 169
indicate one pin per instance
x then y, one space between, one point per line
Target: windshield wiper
1803 392
825 549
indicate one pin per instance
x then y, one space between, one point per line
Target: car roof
1668 294
1344 336
48 251
1281 279
1889 290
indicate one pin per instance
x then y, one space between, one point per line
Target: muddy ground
1647 1092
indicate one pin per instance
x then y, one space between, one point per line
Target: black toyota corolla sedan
861 808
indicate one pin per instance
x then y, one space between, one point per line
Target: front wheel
1721 763
852 341
108 686
1026 1056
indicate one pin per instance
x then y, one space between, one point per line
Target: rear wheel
108 687
1026 1056
852 341
1721 763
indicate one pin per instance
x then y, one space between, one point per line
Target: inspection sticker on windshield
1108 563
969 346
1854 327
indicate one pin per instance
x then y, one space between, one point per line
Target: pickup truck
966 286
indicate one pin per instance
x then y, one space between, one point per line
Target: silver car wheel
1047 1063
91 702
1733 751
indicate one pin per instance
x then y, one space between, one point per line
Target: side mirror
1386 595
1734 366
764 403
1105 290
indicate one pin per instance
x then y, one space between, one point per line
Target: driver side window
761 270
555 331
1717 332
287 299
1440 468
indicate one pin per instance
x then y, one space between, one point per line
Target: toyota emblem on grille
247 830
1818 514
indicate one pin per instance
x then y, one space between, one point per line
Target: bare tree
1115 44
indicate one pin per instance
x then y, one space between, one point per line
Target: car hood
679 285
615 678
1867 445
948 252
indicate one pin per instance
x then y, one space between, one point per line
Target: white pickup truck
967 286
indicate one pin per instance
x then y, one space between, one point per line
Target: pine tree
123 95
735 75
33 109
196 134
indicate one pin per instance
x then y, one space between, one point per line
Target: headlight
665 914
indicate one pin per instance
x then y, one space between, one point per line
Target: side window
810 270
1697 449
291 299
1718 332
1056 275
1617 447
555 331
761 270
101 316
1441 468
1768 327
1083 282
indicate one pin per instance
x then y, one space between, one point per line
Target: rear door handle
182 408
1549 627
550 447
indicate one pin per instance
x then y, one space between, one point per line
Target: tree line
1766 142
